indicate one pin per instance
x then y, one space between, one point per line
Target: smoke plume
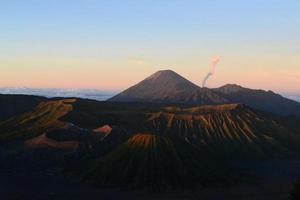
212 69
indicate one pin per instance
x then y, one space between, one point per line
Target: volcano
166 86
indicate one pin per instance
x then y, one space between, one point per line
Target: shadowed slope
42 141
148 161
235 130
232 129
259 99
11 105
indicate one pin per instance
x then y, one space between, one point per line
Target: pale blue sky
183 34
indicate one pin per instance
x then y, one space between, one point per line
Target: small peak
230 88
160 73
165 71
230 85
271 92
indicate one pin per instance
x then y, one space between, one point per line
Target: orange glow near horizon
280 74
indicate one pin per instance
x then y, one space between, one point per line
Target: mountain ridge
228 127
143 146
268 101
166 86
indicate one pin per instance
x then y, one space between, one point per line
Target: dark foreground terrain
269 180
84 149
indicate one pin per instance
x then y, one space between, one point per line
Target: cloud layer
80 93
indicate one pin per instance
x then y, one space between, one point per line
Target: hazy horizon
88 93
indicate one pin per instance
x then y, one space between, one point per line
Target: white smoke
213 65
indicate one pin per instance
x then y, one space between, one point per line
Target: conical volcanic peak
166 86
168 76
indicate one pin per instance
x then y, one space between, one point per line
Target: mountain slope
166 86
259 99
191 146
153 162
232 130
11 105
44 117
179 146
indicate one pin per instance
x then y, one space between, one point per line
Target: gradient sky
114 44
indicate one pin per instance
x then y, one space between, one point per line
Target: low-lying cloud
79 93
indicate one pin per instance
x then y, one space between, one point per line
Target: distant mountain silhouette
259 99
168 87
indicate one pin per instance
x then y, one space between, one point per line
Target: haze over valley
95 94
